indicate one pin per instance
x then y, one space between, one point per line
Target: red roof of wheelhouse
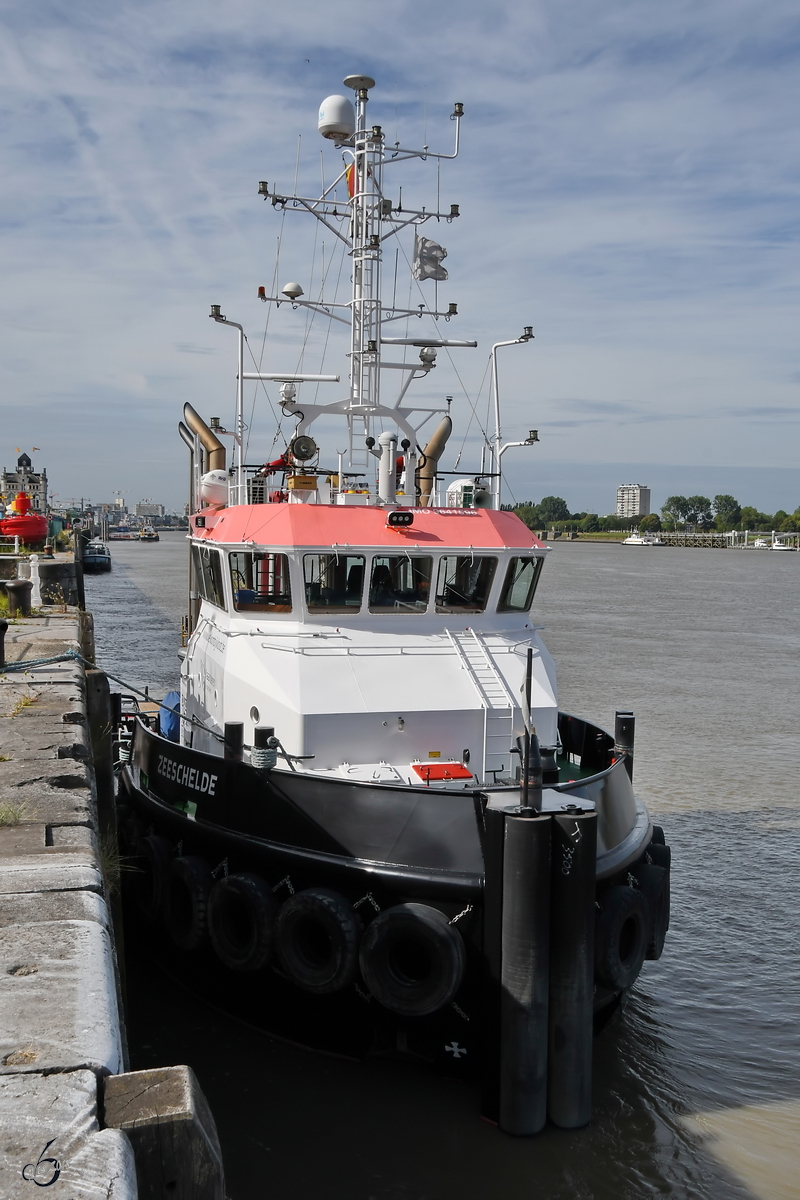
341 525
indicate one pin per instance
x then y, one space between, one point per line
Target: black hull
296 833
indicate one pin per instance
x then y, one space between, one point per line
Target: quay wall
61 1027
73 1118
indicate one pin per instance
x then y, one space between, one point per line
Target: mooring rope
25 663
76 656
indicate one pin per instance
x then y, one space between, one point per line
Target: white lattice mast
365 183
363 222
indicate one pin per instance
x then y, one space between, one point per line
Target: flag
350 176
428 257
36 448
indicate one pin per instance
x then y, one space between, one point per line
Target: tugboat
148 534
363 822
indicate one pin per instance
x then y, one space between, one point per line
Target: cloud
628 182
765 412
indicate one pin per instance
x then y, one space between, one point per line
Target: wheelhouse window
400 583
333 582
260 582
463 582
208 574
520 584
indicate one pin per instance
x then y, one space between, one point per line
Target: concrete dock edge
62 1028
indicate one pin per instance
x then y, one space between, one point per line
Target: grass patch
11 814
112 863
22 1057
23 702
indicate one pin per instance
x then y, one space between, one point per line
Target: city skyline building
25 479
149 508
633 500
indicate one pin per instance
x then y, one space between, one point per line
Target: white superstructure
381 636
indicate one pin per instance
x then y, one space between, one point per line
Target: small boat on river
122 533
96 556
363 822
643 539
148 534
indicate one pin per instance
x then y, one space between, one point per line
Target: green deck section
569 772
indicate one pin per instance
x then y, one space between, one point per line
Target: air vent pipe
215 451
426 473
387 469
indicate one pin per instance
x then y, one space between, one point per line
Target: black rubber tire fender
654 885
658 838
622 931
150 871
412 959
317 935
659 855
186 907
241 921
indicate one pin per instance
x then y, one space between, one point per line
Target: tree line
723 514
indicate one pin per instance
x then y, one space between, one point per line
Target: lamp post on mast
498 448
216 315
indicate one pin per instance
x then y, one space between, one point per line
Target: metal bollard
3 628
572 899
624 729
19 597
264 755
234 741
550 771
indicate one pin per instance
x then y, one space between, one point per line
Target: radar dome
214 488
337 118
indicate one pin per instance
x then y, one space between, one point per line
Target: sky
628 183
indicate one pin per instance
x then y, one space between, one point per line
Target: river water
697 1086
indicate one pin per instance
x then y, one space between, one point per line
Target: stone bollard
36 595
170 1127
57 582
19 597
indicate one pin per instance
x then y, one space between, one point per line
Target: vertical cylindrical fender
572 919
493 822
524 973
624 732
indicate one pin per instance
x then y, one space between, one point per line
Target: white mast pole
217 316
497 440
240 496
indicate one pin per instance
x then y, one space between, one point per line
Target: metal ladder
496 700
